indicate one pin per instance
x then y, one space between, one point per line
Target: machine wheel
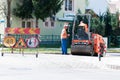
92 53
72 53
75 53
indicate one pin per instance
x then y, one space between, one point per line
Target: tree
24 9
111 23
8 12
3 10
115 24
115 20
41 9
97 23
108 26
46 8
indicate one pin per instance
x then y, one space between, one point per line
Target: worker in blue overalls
64 37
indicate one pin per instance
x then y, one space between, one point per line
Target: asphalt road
113 54
56 67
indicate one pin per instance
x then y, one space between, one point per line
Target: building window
27 23
46 23
68 5
65 4
23 24
50 22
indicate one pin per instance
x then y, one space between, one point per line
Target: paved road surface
55 67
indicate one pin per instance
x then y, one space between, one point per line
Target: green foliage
24 9
115 20
105 24
108 26
97 24
46 8
116 32
41 9
111 23
1 45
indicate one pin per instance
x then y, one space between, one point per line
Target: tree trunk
8 12
36 22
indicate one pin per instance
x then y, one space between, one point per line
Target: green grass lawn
34 50
114 50
47 50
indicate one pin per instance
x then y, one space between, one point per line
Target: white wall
2 16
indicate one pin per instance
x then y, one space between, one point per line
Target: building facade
53 25
114 6
51 28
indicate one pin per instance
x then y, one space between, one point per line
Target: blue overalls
64 45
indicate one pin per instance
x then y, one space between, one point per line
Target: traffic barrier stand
18 44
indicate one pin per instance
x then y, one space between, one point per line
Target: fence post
109 41
52 38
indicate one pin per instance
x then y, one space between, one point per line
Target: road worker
85 26
64 37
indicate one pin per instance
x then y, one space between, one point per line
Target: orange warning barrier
22 30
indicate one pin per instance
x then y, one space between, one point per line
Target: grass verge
33 50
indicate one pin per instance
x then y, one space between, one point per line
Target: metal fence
54 40
45 40
50 41
114 42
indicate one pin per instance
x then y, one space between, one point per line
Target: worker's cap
66 25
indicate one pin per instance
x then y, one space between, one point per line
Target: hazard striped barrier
22 30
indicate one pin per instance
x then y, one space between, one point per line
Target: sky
98 5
